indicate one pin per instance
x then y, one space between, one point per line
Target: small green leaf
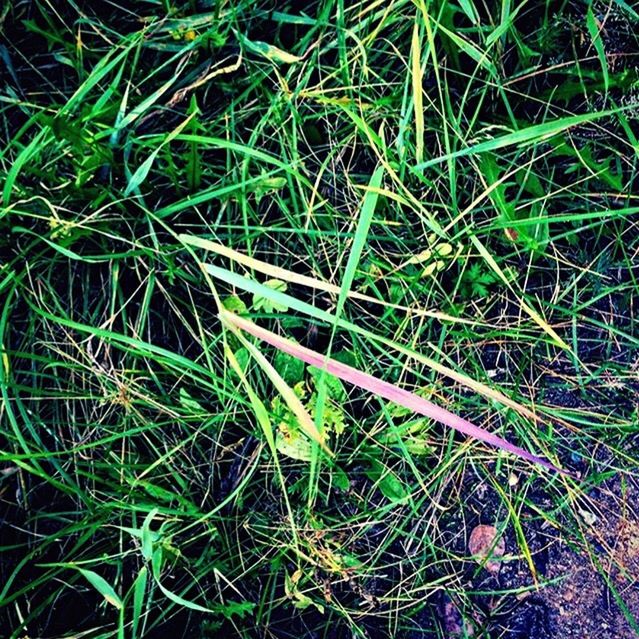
293 444
388 483
334 385
290 368
340 479
190 404
269 304
267 51
418 446
299 599
102 586
234 304
268 185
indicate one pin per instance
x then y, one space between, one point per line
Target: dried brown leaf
485 546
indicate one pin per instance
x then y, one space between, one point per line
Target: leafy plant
476 282
267 304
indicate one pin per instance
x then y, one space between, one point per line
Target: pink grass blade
384 389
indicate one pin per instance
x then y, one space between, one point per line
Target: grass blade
418 94
536 133
288 300
384 389
278 273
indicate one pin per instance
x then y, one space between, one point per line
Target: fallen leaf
484 544
454 625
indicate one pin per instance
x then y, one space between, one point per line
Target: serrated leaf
334 386
239 609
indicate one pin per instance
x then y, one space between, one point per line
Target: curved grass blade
285 299
279 273
384 389
532 134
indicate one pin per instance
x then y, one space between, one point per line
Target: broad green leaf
290 368
232 609
102 586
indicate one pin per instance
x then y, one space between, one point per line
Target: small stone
588 517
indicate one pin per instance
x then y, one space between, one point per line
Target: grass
452 185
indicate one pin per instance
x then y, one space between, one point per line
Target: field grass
442 194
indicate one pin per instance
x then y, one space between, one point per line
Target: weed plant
450 188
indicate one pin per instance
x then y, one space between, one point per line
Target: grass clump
438 194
